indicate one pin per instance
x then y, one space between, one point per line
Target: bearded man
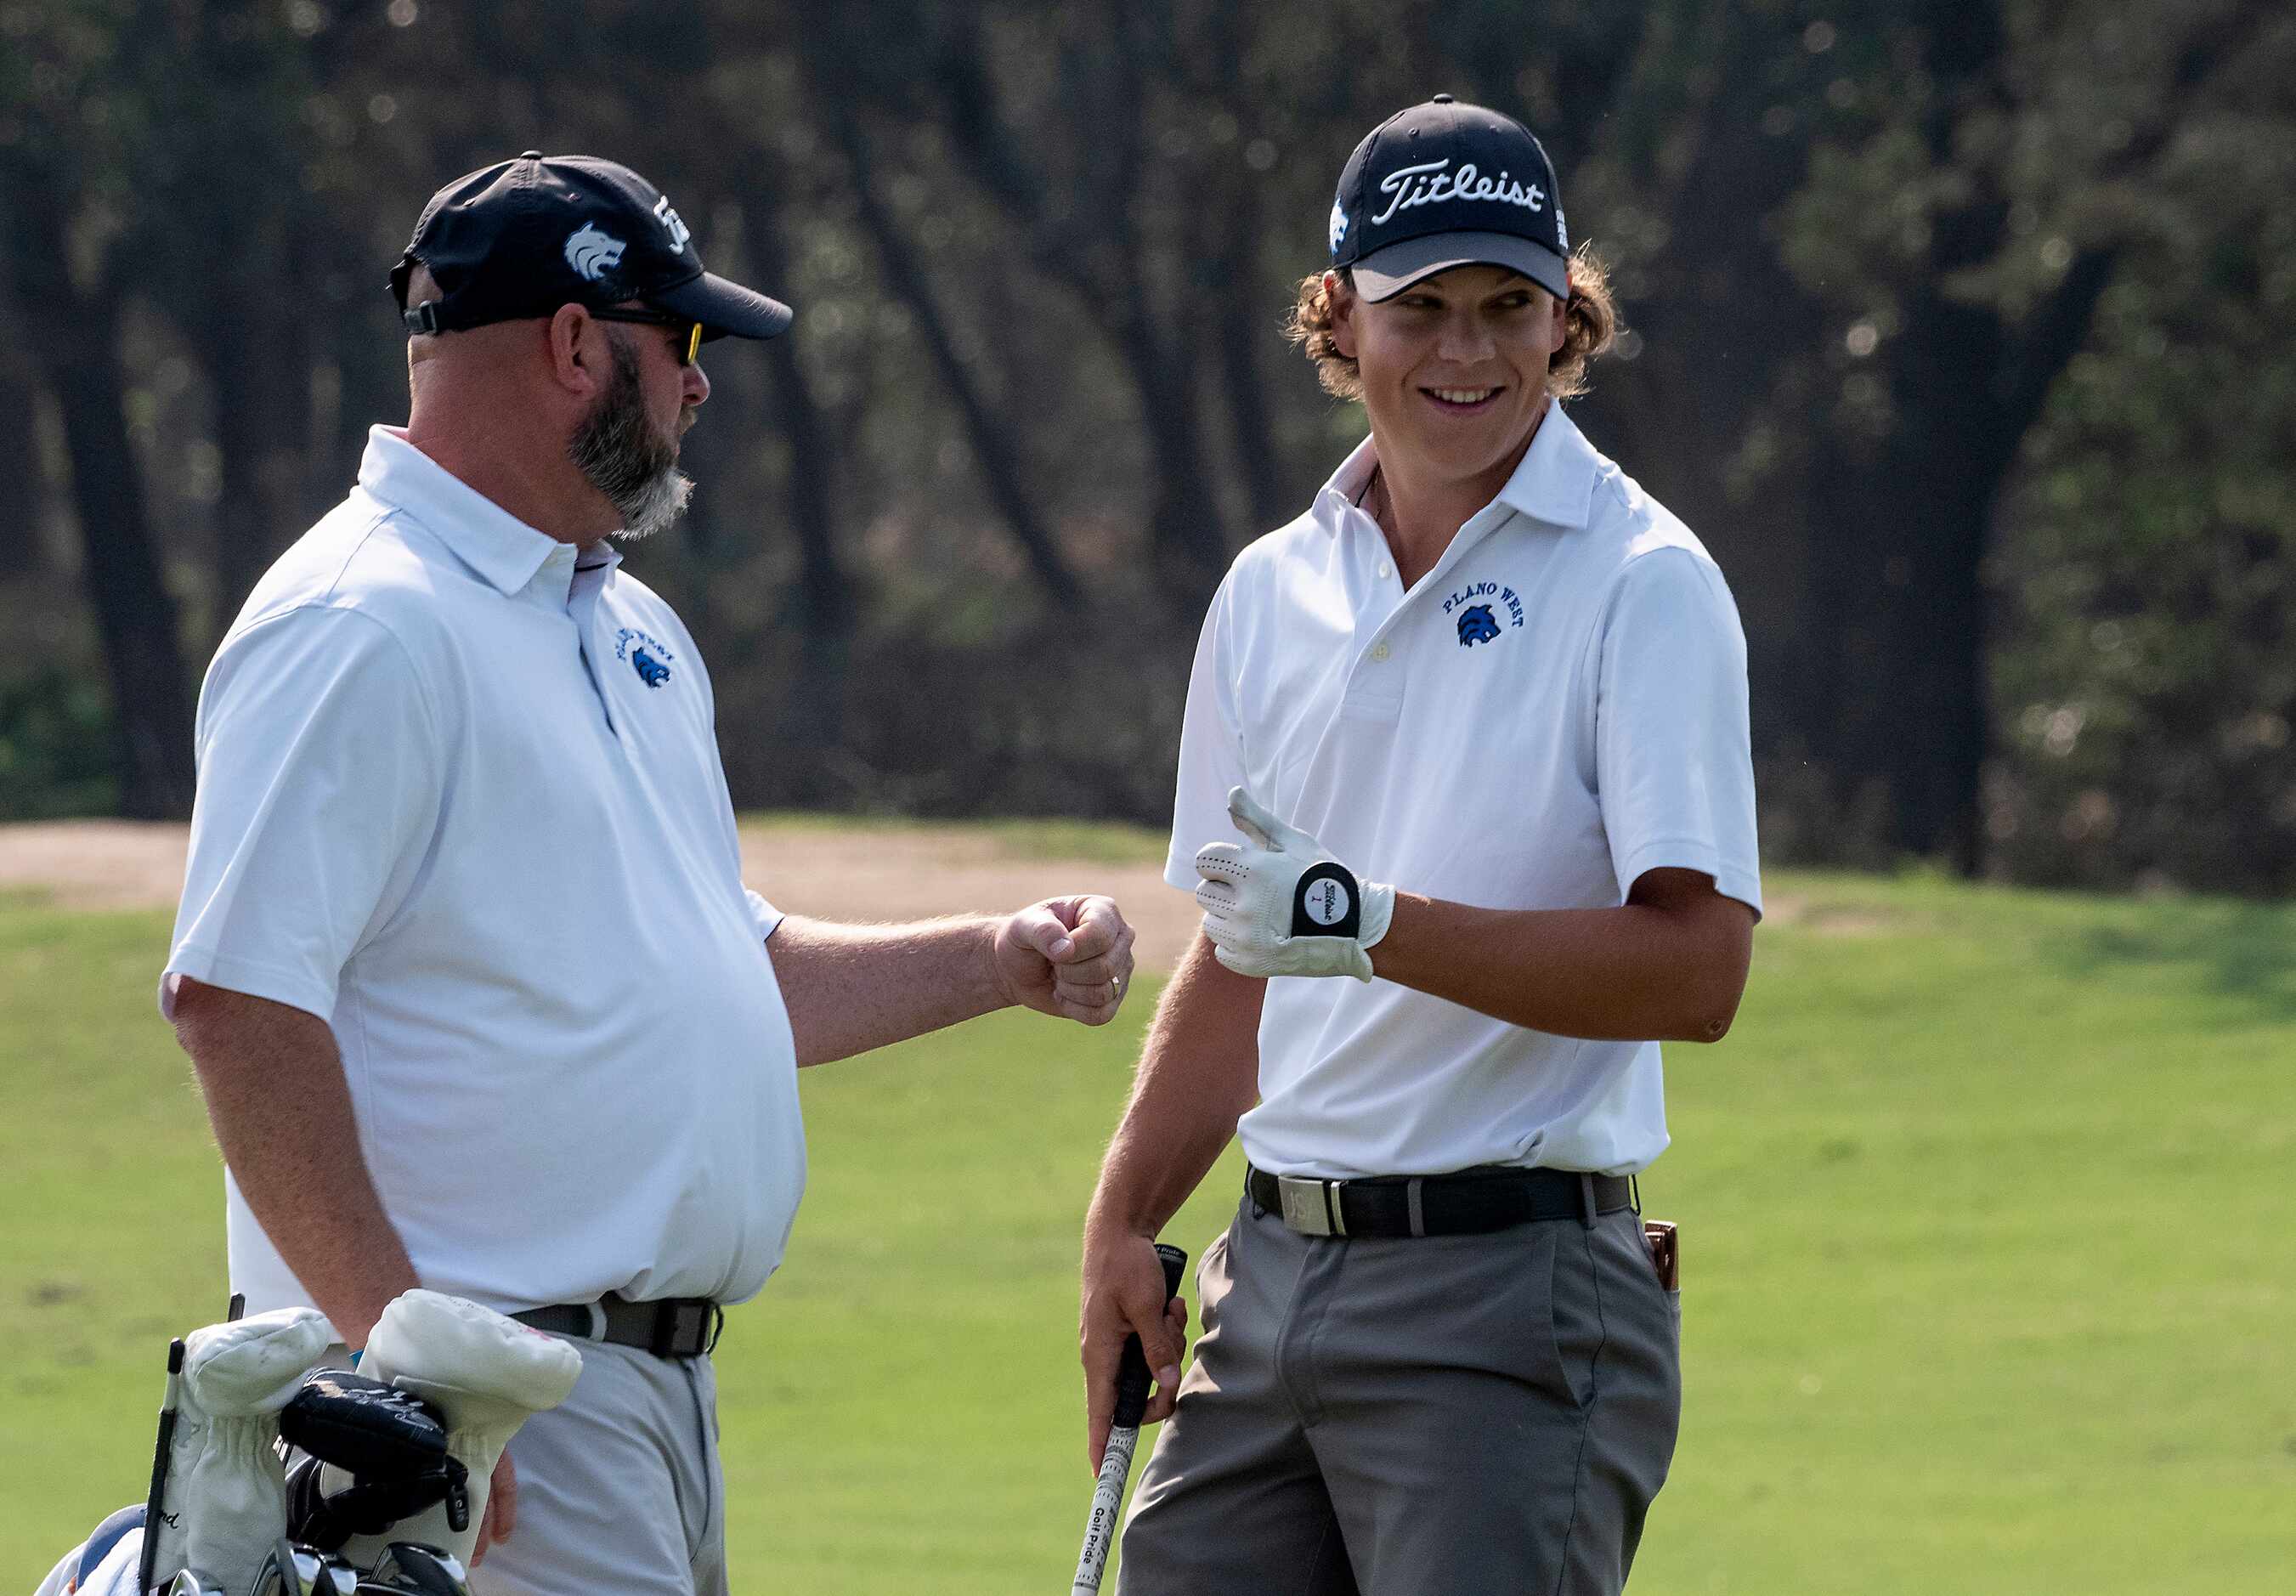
475 992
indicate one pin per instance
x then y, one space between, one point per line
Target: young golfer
1465 793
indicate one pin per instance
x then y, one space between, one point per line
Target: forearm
282 1114
852 988
1646 971
1199 1073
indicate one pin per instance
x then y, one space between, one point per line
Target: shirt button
1379 650
1385 571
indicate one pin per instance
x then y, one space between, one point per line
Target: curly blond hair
1590 318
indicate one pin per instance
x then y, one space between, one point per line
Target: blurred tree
230 82
1899 273
1966 238
75 141
1077 156
2146 676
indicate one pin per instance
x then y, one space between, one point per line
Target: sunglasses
689 347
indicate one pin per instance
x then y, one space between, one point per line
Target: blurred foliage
1957 330
2147 702
55 747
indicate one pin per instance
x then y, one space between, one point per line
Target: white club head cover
487 1372
224 1504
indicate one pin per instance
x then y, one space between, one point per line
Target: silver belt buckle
1310 1207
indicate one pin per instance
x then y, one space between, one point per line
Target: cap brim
1385 272
726 309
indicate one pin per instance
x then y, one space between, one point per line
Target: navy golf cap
522 237
1444 185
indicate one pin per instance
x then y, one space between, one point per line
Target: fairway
1985 1205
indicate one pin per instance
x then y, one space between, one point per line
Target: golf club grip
1133 1378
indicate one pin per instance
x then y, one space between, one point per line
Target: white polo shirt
460 798
1556 708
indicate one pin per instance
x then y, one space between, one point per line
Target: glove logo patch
1475 608
1324 902
1327 903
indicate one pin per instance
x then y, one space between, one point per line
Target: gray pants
619 1488
1413 1417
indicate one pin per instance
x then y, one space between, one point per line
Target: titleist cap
522 237
1444 185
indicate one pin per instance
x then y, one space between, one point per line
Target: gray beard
619 453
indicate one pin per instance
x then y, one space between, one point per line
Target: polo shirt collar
503 549
1347 484
1553 483
1556 481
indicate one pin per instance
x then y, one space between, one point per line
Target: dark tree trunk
825 591
1901 584
1242 321
1902 591
74 341
1099 242
258 368
992 442
23 482
1270 496
134 615
1188 543
808 710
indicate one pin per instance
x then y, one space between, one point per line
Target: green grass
1089 841
1985 1208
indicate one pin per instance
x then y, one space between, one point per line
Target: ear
1558 324
1343 302
579 358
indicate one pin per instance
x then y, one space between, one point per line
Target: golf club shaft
154 1503
1133 1380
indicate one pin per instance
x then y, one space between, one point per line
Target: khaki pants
619 1488
1413 1417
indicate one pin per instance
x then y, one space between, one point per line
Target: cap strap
424 317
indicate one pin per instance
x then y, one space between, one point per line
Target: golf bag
390 1486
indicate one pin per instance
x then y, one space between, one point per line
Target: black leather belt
1466 1204
671 1326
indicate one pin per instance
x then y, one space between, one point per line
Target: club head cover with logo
486 1373
224 1502
1281 904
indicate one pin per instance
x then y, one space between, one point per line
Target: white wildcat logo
592 253
1339 224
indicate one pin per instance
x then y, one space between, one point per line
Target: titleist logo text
1430 182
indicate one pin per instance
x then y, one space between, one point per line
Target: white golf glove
487 1373
1282 905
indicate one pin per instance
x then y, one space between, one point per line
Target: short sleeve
1674 766
762 914
320 779
1211 744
